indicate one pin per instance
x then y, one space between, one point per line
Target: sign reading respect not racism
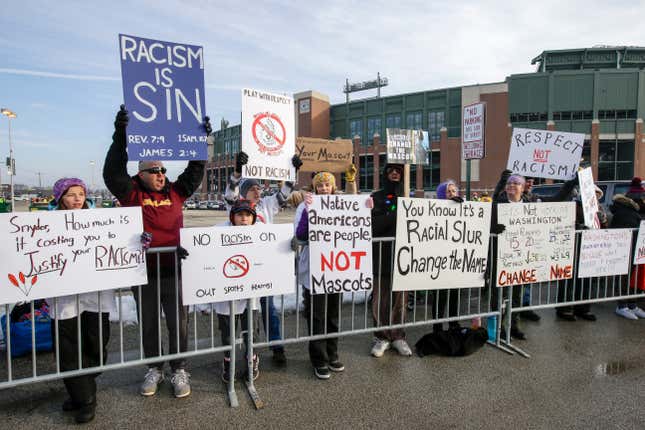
545 153
58 253
537 244
407 146
340 244
604 252
268 135
440 244
163 88
231 263
324 155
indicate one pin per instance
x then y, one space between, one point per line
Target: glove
498 229
146 240
240 160
457 199
296 161
505 175
350 173
207 126
182 253
121 121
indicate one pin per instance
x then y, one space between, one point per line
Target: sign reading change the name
58 253
440 244
268 135
537 244
324 155
407 146
340 244
163 89
545 153
604 252
231 263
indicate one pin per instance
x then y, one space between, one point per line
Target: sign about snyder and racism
440 244
545 153
537 244
230 263
639 250
604 252
58 253
163 89
268 135
473 142
324 155
407 146
340 244
588 198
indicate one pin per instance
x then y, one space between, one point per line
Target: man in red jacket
161 202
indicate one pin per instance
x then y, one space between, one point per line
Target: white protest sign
588 198
537 244
604 252
407 146
58 253
639 250
545 153
268 135
230 263
440 244
340 244
473 144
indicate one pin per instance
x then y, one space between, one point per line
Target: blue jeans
273 329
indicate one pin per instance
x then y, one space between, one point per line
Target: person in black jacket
384 225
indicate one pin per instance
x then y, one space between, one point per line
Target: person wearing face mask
70 194
161 203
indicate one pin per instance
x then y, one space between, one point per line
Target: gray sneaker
180 383
151 381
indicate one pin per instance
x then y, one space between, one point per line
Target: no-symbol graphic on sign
236 266
269 133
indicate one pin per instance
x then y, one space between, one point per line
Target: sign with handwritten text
537 244
440 244
231 263
322 154
604 252
639 250
58 253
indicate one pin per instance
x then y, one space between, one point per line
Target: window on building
615 159
413 121
393 120
586 154
433 171
436 120
373 126
366 173
356 129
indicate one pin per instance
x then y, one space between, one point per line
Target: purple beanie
443 187
62 185
516 178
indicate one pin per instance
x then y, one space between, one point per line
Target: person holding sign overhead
92 312
161 203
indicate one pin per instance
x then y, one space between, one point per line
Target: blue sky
61 73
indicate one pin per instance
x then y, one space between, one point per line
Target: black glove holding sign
240 160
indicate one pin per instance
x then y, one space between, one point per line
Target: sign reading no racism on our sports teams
163 90
268 135
407 146
231 263
440 244
537 244
604 252
340 244
473 144
58 253
545 153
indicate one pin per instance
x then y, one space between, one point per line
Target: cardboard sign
268 135
231 263
440 244
588 198
537 244
58 253
324 155
340 244
163 89
604 252
639 250
545 153
474 131
407 146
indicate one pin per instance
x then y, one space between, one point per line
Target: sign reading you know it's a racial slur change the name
58 253
163 90
230 263
440 244
340 244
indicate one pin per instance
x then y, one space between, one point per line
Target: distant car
191 205
202 205
216 205
609 190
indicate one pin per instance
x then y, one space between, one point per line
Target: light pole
10 115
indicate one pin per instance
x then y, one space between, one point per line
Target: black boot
86 412
70 405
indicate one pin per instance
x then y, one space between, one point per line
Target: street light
12 165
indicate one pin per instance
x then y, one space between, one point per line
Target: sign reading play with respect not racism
440 244
473 143
537 244
407 146
230 263
545 153
163 90
268 135
319 155
588 198
340 244
604 252
58 253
